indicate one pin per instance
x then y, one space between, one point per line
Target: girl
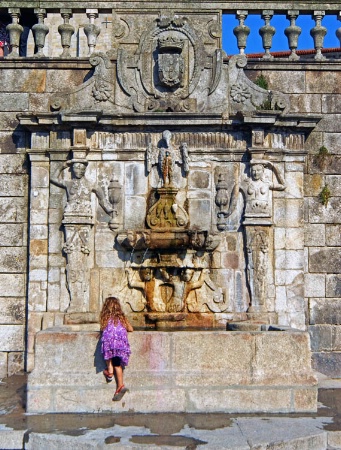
114 343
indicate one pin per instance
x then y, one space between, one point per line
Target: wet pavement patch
112 440
331 400
176 441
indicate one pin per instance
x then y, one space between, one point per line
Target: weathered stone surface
288 213
329 123
306 103
135 180
67 78
40 179
12 310
14 102
323 82
328 363
23 80
12 285
334 439
12 338
15 362
12 259
175 367
334 184
3 364
333 286
314 285
200 213
13 209
12 439
333 235
314 235
135 212
12 185
11 235
289 82
332 142
325 311
319 213
321 338
313 184
331 164
12 164
326 260
240 400
331 103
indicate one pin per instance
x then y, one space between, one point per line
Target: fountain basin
178 371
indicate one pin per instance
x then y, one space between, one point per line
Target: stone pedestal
179 371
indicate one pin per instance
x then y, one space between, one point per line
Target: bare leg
110 367
118 376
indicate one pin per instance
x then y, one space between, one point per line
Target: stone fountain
196 230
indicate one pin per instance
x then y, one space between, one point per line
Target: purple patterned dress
114 342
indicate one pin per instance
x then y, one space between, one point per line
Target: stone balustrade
75 32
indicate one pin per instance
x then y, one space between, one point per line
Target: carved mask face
79 170
257 172
187 275
147 275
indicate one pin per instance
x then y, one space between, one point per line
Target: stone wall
13 260
313 88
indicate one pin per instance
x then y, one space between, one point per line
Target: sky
280 41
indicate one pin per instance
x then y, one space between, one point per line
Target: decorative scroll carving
247 96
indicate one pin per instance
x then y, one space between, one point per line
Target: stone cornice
225 5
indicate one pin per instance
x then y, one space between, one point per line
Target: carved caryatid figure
77 223
256 192
182 286
150 286
257 219
256 189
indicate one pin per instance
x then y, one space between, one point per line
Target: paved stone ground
319 431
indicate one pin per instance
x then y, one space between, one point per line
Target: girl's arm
129 327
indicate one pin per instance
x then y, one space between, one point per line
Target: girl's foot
108 376
121 389
119 393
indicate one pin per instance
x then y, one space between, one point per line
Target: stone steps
256 433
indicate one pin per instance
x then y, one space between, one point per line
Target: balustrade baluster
40 30
267 31
338 31
14 30
292 32
241 31
318 33
66 30
91 30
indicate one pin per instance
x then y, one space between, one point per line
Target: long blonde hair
112 310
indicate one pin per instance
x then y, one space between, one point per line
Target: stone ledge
214 371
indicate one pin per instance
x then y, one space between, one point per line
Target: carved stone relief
257 217
78 222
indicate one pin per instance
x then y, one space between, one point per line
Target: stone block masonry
304 290
212 371
13 257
